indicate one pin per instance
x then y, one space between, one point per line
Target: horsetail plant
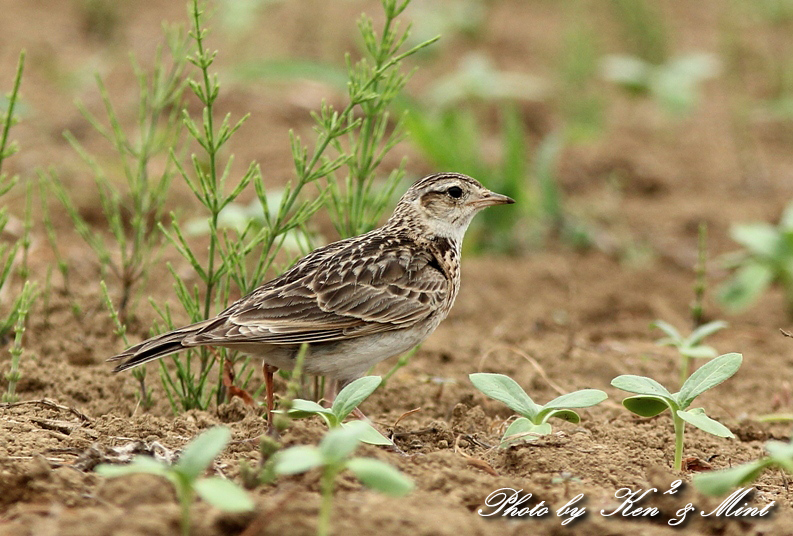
224 263
132 214
533 420
8 148
344 404
24 302
186 475
332 456
652 398
357 201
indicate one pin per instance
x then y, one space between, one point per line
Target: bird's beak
491 198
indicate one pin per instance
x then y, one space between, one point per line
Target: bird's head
444 204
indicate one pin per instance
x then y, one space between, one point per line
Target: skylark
355 302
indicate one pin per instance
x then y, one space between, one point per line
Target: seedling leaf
749 281
781 453
522 429
669 329
224 494
759 238
298 459
646 406
200 452
380 476
339 443
506 390
351 396
708 376
697 417
699 352
308 407
564 414
370 435
641 385
705 330
578 399
721 482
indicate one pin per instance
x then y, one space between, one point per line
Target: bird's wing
363 288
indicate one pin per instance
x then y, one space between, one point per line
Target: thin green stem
9 118
697 308
680 428
685 366
326 504
186 504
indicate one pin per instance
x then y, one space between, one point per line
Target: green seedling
332 456
652 398
8 148
690 347
767 258
533 420
780 454
25 300
675 84
132 196
357 196
186 477
646 68
345 403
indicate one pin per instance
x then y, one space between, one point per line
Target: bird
354 302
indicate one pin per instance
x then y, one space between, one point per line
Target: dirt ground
554 320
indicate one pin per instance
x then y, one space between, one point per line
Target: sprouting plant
332 456
224 263
533 420
132 212
24 302
8 148
675 85
186 475
767 258
691 347
647 68
357 200
652 398
780 454
345 403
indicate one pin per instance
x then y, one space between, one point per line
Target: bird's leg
331 390
268 372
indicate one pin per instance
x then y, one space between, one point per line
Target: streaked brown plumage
355 302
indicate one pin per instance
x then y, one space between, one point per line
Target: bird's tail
159 346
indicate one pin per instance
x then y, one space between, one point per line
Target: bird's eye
455 191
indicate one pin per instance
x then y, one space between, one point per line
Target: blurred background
619 125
